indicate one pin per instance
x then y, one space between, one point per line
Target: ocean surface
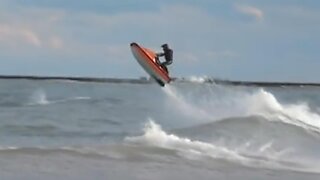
192 130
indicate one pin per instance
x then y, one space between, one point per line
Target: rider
168 54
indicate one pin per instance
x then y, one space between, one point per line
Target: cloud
15 35
28 29
251 11
98 35
168 19
56 42
30 36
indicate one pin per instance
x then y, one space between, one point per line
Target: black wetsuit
168 54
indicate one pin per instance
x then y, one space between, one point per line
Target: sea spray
183 105
220 102
39 97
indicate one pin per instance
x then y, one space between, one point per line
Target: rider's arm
160 54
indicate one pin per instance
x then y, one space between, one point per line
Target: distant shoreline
144 80
71 78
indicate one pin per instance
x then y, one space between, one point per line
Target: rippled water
71 130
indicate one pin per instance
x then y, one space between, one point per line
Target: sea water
191 130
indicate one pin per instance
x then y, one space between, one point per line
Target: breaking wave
247 126
219 102
266 156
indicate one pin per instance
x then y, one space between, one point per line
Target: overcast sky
267 40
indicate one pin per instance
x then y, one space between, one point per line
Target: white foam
266 156
198 79
39 97
220 102
264 103
81 98
156 137
71 99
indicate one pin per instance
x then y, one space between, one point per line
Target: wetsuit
168 54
